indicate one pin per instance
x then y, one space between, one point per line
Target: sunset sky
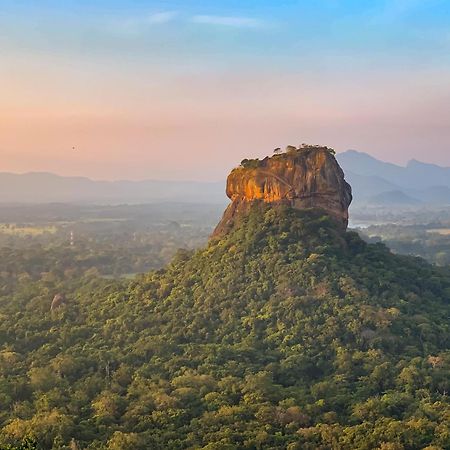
186 89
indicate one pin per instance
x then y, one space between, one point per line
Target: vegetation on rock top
291 150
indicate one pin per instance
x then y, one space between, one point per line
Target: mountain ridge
369 176
415 180
43 187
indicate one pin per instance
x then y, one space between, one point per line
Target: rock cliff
308 177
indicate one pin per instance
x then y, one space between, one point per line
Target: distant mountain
393 198
434 195
373 180
367 185
415 175
366 165
422 174
369 177
47 187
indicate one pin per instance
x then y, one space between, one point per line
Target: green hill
286 333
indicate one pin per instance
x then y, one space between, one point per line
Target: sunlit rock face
309 177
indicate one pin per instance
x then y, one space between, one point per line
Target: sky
187 89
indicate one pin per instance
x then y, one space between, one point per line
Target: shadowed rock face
304 178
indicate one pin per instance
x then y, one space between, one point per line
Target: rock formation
58 301
308 177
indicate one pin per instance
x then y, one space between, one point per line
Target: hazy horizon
169 90
187 180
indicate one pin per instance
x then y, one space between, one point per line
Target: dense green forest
286 333
68 241
430 241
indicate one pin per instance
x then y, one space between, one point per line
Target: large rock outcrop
308 177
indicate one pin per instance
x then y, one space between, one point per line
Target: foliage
26 444
250 163
431 241
285 334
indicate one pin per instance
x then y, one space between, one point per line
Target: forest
430 241
287 334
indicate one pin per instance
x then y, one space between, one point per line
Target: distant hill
415 175
373 179
368 185
393 198
47 187
423 183
434 195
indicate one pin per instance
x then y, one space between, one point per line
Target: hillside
285 333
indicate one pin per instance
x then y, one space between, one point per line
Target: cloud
138 24
228 21
161 17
